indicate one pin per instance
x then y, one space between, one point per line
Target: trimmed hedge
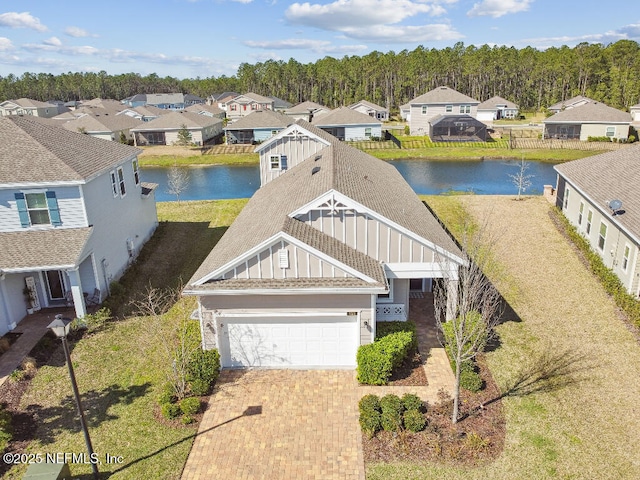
391 413
190 405
203 371
370 414
609 280
377 360
392 408
414 421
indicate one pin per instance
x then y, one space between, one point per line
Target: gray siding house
164 129
436 103
349 125
256 127
592 119
371 109
27 106
317 257
74 213
586 189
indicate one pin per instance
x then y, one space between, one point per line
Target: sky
205 38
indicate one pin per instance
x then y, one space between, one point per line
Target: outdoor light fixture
60 327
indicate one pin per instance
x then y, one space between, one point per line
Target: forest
530 77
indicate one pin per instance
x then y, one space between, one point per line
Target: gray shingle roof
252 97
305 106
371 105
30 103
361 177
344 116
38 249
102 123
199 107
493 101
443 95
261 119
31 151
175 120
593 112
609 176
570 102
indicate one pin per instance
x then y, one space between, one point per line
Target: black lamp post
60 326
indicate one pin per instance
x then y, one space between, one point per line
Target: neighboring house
317 257
586 190
256 127
106 126
243 105
371 109
635 112
280 105
220 99
167 101
307 111
437 102
144 113
570 103
26 106
164 129
591 119
457 128
349 125
496 108
74 213
405 111
208 110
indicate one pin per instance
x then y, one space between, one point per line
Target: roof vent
318 157
315 170
615 206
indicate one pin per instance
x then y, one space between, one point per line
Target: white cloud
318 46
77 32
242 1
627 32
498 8
404 34
5 44
53 41
21 20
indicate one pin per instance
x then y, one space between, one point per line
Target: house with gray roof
496 108
208 110
280 105
634 110
317 257
307 111
592 119
347 124
371 109
256 127
244 104
599 195
27 106
436 103
570 103
104 126
164 129
167 101
74 214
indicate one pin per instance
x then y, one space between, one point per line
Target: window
114 184
625 257
424 109
602 237
123 190
367 132
254 106
566 198
448 108
274 162
611 131
465 108
136 174
580 213
233 107
38 208
274 132
589 218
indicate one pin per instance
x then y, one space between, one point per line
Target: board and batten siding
69 201
301 264
296 149
358 132
369 236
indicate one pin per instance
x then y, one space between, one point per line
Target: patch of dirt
477 438
410 373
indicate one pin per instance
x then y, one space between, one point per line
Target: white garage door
289 342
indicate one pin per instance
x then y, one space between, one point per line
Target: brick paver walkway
297 424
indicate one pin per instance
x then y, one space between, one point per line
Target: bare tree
177 181
467 305
172 331
521 180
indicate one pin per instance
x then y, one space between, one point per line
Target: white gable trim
335 196
274 240
291 291
293 130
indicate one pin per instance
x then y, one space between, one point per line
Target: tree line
530 77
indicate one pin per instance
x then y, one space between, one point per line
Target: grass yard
120 368
569 367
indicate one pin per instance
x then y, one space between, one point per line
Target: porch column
76 292
5 304
452 299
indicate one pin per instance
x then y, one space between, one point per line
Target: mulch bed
410 373
477 438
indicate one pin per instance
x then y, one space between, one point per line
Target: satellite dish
615 205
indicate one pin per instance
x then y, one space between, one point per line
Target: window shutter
21 203
54 212
283 162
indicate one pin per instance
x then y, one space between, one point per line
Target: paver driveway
280 424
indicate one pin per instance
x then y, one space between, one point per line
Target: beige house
243 105
26 106
164 129
496 108
307 111
106 126
599 195
371 109
592 119
440 101
570 103
317 257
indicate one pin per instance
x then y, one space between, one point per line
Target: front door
55 284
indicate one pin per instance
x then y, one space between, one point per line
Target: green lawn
120 368
221 159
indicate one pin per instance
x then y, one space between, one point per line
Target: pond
426 177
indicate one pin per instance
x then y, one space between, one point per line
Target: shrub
470 380
414 421
16 375
412 402
187 419
190 406
377 360
203 371
4 345
407 130
167 394
170 410
5 428
29 365
370 421
97 320
391 417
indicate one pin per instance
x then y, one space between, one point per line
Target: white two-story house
74 213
